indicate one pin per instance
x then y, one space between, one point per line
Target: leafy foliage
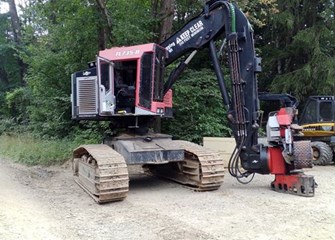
315 75
132 22
299 50
55 53
199 110
9 67
17 101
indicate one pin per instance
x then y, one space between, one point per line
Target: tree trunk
4 77
16 26
154 13
166 13
279 63
53 17
101 38
105 33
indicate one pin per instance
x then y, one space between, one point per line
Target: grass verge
33 151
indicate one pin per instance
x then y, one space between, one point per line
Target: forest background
43 41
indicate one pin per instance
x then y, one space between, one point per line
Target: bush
17 101
34 151
198 108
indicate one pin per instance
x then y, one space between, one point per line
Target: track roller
201 170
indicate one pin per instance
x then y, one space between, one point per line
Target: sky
4 7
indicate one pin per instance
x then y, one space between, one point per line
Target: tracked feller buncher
126 86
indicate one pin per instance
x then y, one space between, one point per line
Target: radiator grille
87 95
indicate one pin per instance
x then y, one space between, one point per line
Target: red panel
297 184
284 117
166 103
282 132
168 99
290 180
276 161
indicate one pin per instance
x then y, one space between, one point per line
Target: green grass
34 151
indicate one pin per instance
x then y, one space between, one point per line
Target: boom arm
200 32
222 18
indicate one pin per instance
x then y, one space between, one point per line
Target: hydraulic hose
233 17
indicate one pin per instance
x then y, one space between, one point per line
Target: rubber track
201 170
107 180
211 165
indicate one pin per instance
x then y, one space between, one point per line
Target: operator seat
125 98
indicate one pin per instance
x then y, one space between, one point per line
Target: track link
101 172
201 170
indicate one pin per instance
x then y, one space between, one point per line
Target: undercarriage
101 169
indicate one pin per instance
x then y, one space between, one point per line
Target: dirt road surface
45 203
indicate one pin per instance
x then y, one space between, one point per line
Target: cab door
106 86
151 88
146 79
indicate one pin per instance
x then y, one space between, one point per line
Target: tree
16 25
163 13
57 45
298 49
106 24
199 109
10 42
11 65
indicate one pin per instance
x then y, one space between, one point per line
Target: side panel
160 149
84 94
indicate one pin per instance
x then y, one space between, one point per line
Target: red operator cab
122 81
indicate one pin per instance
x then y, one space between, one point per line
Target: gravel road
45 203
